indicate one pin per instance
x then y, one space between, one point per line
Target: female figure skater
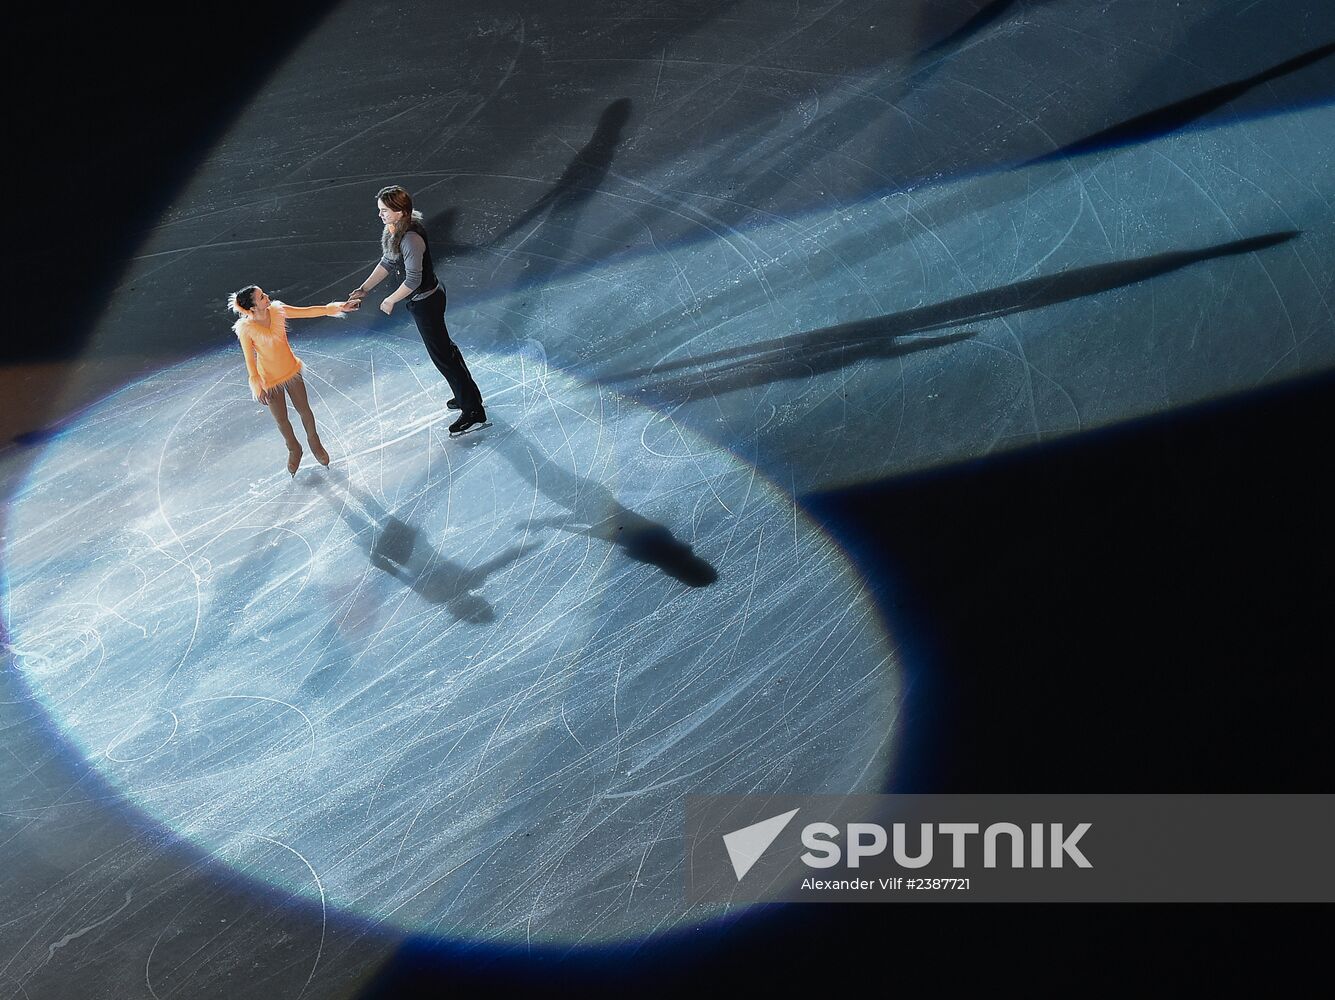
406 253
275 372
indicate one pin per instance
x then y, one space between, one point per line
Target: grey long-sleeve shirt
413 248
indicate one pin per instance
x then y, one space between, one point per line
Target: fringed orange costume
269 359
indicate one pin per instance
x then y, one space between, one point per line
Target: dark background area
116 113
1141 609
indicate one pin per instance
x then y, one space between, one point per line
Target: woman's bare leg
278 407
297 390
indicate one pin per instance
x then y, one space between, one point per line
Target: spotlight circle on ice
468 682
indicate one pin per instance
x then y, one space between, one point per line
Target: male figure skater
406 253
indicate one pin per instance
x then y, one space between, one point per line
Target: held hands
352 305
355 299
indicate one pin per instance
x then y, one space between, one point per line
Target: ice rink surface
466 681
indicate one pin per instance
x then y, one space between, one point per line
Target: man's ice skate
470 421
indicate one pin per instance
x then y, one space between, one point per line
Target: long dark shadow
767 171
586 172
1179 114
596 513
942 52
769 168
397 548
838 346
859 341
988 14
582 177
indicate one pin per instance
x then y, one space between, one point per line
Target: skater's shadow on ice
579 182
804 355
398 548
596 513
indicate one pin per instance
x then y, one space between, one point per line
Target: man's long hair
397 200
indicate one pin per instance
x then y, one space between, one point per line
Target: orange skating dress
269 359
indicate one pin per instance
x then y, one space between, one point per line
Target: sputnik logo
745 846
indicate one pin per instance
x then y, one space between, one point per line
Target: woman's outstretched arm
310 312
